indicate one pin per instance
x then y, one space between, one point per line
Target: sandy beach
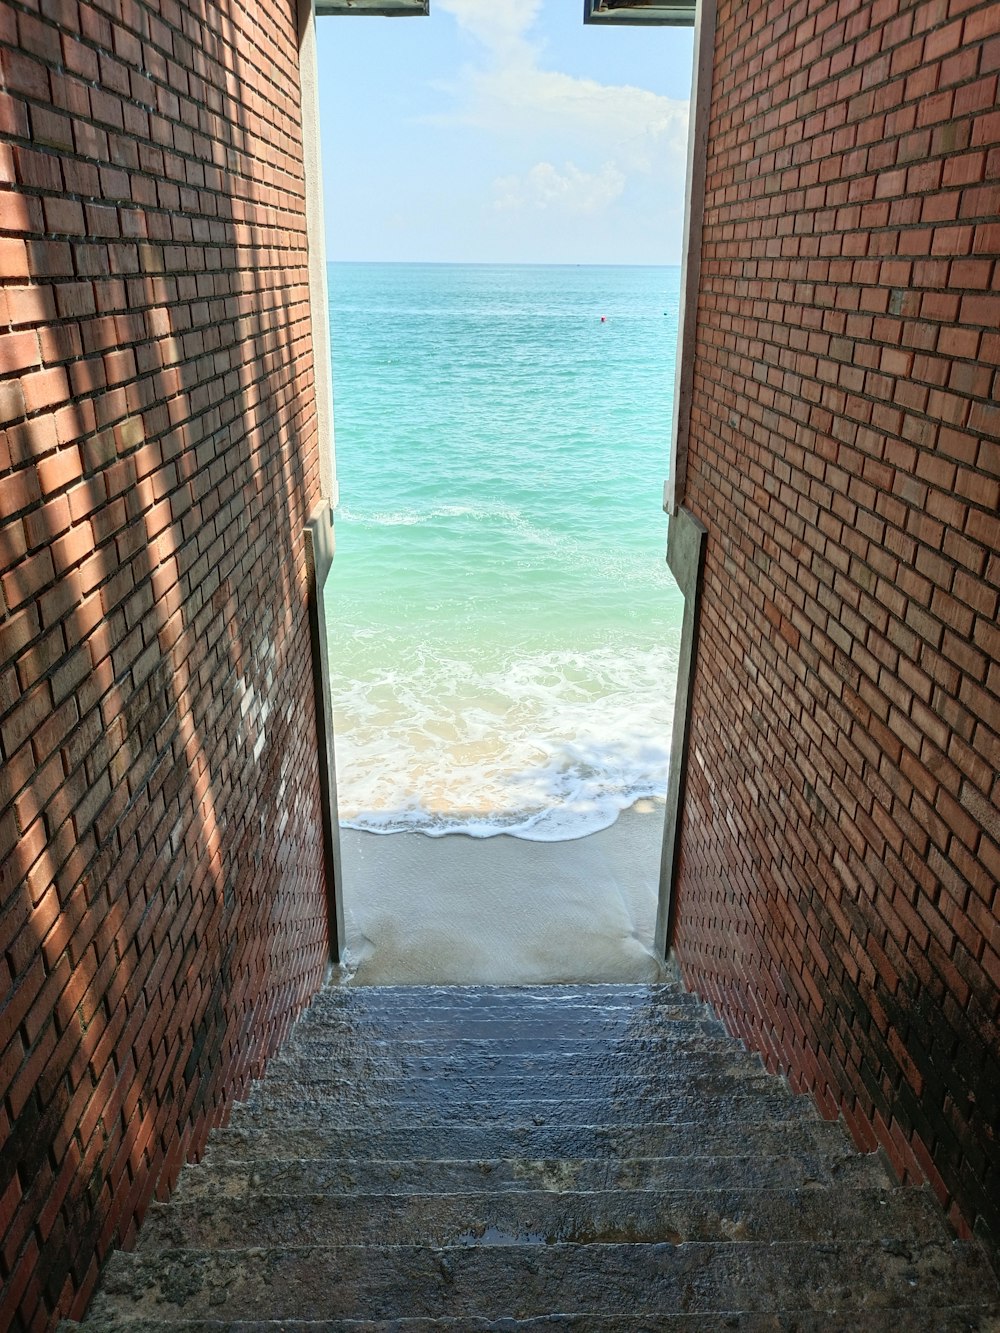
498 910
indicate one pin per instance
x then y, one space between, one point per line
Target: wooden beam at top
640 13
383 8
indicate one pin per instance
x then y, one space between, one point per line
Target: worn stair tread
595 1159
356 1052
623 1023
386 999
508 1080
432 1056
379 1094
269 1109
240 1179
695 1138
446 989
327 1282
675 1008
473 1008
546 1217
475 999
680 1020
965 1319
697 1055
354 1045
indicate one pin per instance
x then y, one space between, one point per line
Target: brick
18 351
855 304
64 216
847 329
13 258
31 710
29 305
44 388
23 73
58 470
114 315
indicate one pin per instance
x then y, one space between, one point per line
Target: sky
503 131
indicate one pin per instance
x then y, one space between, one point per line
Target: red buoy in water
603 320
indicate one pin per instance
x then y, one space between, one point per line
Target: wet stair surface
581 1158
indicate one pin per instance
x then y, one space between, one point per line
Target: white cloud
639 127
510 94
570 191
500 25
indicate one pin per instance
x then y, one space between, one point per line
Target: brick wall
161 905
841 841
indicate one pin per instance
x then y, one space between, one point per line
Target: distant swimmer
603 320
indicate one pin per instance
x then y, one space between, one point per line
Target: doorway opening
504 632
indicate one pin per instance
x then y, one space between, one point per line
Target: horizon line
505 263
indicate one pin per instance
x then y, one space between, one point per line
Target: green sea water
505 630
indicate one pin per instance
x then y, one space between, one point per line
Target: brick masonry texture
837 898
161 891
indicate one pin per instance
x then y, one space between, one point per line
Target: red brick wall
841 841
161 908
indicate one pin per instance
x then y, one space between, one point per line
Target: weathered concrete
227 1179
686 536
524 1072
560 1140
518 1279
446 1159
547 1216
706 1078
961 1319
319 545
271 1111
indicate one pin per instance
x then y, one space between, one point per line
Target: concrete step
270 1108
963 1319
626 1018
563 1016
539 1021
512 1048
245 1140
221 1179
547 1217
523 1280
400 1000
447 991
431 1057
503 1053
474 1159
300 1083
493 1074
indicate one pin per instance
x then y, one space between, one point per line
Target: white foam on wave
408 518
547 748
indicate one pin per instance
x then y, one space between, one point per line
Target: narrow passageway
593 1158
504 297
503 632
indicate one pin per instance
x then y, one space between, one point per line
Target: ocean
504 629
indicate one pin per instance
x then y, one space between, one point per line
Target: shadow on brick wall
161 885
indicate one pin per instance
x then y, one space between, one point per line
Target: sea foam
545 748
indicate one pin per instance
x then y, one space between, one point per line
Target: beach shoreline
457 910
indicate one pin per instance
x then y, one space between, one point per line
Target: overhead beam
639 13
383 8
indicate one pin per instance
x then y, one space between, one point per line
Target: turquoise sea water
506 632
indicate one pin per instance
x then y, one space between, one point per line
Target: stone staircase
592 1159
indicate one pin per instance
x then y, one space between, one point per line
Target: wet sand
499 910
